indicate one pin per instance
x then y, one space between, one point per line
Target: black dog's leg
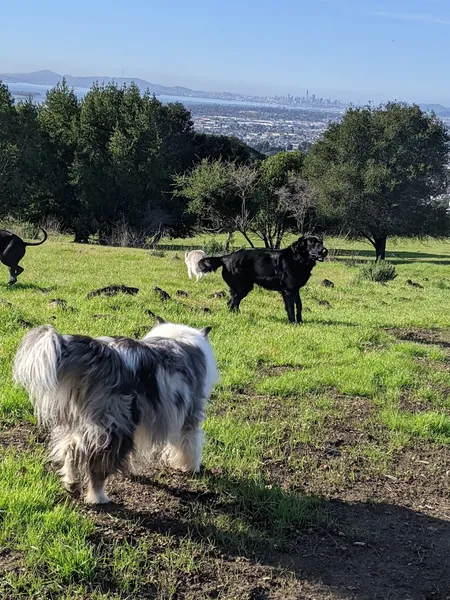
14 272
234 301
11 257
237 294
298 305
289 303
12 276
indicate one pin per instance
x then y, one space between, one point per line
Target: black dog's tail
210 263
37 243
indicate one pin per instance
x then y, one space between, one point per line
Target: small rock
113 290
57 302
414 284
161 293
24 323
182 293
327 283
324 303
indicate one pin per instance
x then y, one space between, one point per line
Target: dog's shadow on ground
19 286
363 551
309 320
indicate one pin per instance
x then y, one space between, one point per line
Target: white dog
111 400
192 259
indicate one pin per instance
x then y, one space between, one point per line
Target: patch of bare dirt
380 535
435 337
274 370
20 436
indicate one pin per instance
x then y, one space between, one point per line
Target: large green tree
272 214
59 122
128 147
377 173
9 153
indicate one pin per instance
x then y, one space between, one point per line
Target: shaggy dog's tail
210 263
36 367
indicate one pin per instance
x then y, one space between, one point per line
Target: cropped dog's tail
38 243
210 263
36 368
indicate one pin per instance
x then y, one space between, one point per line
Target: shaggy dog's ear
205 331
160 320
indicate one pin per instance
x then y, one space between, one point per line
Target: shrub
213 247
379 271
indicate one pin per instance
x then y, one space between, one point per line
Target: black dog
12 250
284 271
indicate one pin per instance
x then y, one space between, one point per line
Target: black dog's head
309 247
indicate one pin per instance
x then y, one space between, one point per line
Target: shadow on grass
358 550
401 254
27 286
309 320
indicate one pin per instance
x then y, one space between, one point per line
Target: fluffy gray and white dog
192 259
110 400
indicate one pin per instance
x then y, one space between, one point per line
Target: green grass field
326 465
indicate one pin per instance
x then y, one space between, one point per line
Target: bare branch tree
244 179
298 199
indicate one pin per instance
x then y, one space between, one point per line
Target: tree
378 171
298 199
271 215
35 164
229 197
9 153
128 148
59 121
226 148
276 169
220 194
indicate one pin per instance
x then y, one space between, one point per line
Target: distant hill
441 111
50 78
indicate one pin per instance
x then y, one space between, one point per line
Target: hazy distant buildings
265 128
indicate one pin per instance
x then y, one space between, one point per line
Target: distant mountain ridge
46 77
440 110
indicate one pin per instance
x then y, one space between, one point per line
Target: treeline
122 158
104 160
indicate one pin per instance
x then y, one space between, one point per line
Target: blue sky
350 49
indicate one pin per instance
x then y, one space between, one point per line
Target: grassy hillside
326 461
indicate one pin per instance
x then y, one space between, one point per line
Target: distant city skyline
49 78
344 49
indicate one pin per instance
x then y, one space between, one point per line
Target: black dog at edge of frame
284 271
12 250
